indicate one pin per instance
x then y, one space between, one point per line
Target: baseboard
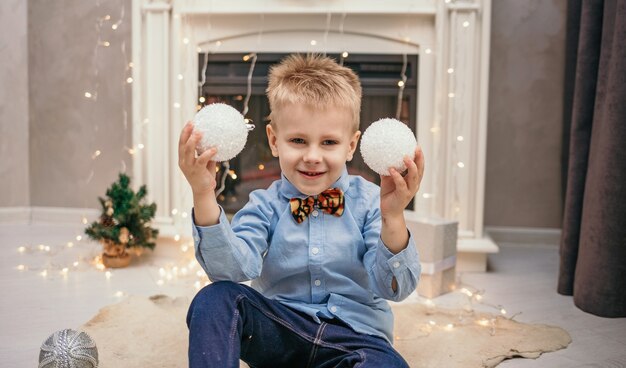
525 235
46 215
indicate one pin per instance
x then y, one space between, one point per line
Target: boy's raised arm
200 173
396 192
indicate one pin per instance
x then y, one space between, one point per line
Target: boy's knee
220 290
215 297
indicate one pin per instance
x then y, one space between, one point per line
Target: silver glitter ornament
68 349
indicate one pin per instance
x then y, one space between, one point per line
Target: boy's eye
296 140
329 142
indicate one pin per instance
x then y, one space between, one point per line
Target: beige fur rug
141 332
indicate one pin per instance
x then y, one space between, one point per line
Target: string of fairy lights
183 268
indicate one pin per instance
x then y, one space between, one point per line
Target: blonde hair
317 81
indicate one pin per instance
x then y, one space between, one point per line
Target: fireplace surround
450 38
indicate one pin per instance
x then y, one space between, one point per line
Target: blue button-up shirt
326 266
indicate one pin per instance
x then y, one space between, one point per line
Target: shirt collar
289 191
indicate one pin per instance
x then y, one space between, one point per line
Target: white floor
32 306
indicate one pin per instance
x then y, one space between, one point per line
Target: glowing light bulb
88 95
174 211
119 294
400 84
313 42
65 270
78 237
202 99
21 267
345 54
483 322
160 282
75 264
450 94
466 24
460 164
186 41
450 70
177 237
449 327
184 215
428 51
459 138
140 146
176 105
44 273
261 167
434 130
106 44
114 27
427 195
21 249
107 274
129 80
503 311
180 77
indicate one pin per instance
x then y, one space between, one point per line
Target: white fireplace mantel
450 37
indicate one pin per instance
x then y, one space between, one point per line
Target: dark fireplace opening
226 80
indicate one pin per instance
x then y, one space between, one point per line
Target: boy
323 249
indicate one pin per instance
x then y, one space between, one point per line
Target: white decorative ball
68 348
385 143
223 127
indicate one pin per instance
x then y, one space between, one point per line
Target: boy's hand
396 192
199 171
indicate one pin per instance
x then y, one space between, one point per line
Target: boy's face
312 145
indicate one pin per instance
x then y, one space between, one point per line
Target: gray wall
14 118
524 136
65 127
48 130
523 183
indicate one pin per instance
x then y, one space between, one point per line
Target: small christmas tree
125 220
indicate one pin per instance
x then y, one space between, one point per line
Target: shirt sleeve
234 253
383 265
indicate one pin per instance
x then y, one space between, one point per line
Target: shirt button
318 282
315 250
396 264
333 309
315 213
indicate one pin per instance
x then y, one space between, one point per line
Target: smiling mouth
311 174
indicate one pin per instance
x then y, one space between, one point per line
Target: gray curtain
593 242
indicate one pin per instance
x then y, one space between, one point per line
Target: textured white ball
222 127
385 143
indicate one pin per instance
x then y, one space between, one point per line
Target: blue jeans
228 321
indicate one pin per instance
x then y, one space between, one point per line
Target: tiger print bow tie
329 201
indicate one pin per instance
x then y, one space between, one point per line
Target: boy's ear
271 139
353 143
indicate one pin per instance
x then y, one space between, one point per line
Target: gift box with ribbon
436 243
